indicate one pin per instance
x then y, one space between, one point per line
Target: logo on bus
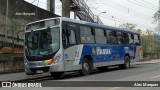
100 51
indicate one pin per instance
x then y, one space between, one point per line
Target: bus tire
56 74
86 67
126 64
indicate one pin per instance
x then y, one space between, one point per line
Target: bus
58 45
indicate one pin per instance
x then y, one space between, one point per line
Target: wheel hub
86 66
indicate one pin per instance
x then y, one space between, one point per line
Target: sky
139 12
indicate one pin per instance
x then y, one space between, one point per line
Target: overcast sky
139 12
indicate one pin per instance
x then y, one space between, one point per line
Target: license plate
39 71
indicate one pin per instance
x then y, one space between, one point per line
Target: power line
126 20
145 4
125 10
122 21
149 3
130 9
141 5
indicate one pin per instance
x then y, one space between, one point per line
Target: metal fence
150 43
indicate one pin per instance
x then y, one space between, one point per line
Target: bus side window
71 34
99 36
111 37
131 38
72 37
136 40
86 34
120 38
125 38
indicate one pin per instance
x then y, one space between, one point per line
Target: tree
157 16
147 41
156 19
130 26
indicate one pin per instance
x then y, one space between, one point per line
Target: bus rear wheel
126 64
86 67
56 74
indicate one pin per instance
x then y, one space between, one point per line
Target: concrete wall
152 55
20 13
14 65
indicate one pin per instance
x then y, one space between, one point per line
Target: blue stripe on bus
106 53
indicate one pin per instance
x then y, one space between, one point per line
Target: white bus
59 45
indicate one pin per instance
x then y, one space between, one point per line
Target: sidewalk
23 76
20 76
153 61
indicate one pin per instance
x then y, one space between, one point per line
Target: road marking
155 77
114 88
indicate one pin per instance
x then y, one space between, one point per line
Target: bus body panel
102 55
72 56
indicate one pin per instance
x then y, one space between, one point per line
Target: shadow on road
72 75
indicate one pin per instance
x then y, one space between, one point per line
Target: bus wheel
86 67
126 64
56 74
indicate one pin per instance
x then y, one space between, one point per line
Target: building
20 13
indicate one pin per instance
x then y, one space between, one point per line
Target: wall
20 13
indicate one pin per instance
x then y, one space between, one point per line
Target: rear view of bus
43 47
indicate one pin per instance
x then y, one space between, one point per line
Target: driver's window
72 37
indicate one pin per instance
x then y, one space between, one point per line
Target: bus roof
98 25
90 24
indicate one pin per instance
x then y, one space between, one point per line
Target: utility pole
6 23
51 5
159 19
66 8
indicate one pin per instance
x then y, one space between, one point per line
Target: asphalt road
143 72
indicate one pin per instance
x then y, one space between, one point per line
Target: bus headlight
57 58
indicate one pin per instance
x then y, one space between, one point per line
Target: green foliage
157 16
130 26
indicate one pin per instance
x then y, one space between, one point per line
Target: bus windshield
42 42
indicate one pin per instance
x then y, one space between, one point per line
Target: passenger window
125 38
86 34
99 36
136 39
72 38
131 38
120 38
111 37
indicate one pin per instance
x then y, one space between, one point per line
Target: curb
27 78
139 63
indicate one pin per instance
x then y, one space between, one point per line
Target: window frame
91 34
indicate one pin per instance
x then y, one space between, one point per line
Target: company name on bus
100 51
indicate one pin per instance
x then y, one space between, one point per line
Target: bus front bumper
38 67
